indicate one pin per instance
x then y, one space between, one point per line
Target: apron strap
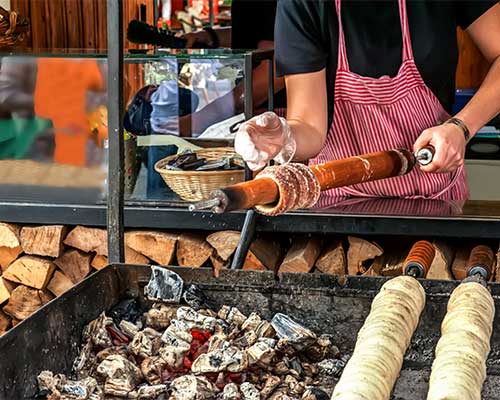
405 29
343 62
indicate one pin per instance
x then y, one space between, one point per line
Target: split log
135 258
224 243
459 265
332 259
43 240
389 264
441 266
9 235
15 322
31 271
45 296
74 264
158 246
8 255
99 262
59 284
302 255
359 253
23 302
88 240
4 292
264 254
193 250
5 323
218 264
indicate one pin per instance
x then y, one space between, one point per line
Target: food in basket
189 161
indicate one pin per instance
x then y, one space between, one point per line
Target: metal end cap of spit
414 269
479 270
424 156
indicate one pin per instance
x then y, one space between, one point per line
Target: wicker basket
13 28
197 185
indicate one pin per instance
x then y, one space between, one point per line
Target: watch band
461 125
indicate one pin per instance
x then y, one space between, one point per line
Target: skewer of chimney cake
288 187
459 369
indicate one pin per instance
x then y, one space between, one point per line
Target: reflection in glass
52 129
178 102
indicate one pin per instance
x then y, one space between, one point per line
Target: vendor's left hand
449 143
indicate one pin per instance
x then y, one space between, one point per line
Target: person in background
365 76
244 34
56 90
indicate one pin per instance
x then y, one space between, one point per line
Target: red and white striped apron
373 114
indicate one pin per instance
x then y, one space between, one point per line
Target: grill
51 338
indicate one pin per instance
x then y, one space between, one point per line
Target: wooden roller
333 174
419 259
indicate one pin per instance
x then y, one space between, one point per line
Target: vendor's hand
449 143
263 138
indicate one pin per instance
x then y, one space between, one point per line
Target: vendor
365 76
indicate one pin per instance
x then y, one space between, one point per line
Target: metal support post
115 128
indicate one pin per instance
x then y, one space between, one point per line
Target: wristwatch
461 125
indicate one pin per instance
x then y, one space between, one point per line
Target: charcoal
281 394
85 363
48 382
58 386
265 329
260 353
333 367
121 376
160 316
177 334
126 310
249 391
295 388
252 322
297 335
246 340
142 345
194 319
231 392
190 387
194 297
310 370
148 392
230 359
164 285
322 348
81 390
270 385
217 342
232 315
111 351
151 369
128 328
97 333
315 394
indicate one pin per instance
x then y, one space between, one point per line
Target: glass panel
181 102
52 129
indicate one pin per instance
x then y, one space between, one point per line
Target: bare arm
485 105
307 112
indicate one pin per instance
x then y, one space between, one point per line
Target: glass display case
54 119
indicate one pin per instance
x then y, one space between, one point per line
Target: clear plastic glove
264 138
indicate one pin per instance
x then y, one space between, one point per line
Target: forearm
485 105
309 139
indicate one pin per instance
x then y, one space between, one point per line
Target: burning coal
188 351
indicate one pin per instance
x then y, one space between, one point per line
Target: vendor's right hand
262 139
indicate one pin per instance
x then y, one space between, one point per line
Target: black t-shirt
253 22
306 39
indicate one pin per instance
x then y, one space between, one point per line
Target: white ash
178 353
249 391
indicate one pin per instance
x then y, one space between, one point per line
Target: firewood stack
39 263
